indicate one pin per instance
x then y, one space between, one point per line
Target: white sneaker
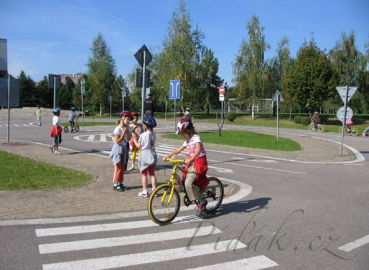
131 168
56 152
143 193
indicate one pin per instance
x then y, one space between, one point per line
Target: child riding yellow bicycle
196 163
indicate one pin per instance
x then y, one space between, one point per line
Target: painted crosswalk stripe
252 263
355 244
126 240
147 257
105 227
16 125
103 138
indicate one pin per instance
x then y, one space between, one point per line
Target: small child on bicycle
146 143
196 163
72 118
138 130
315 120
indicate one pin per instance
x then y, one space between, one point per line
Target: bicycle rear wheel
320 128
161 210
76 128
66 129
310 127
353 132
213 194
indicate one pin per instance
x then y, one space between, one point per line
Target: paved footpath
98 197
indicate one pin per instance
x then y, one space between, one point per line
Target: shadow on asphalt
241 207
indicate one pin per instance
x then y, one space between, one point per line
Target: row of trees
307 83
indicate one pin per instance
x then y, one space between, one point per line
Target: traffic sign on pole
342 90
341 113
175 89
139 55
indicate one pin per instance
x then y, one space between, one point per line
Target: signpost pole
82 93
8 133
344 120
54 101
277 116
143 86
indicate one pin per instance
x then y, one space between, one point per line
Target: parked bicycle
164 202
75 127
319 127
348 130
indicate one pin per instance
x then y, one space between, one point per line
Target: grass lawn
246 139
20 173
332 126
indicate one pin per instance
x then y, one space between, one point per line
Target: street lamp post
82 93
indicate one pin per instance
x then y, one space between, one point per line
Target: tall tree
184 57
27 89
309 80
65 94
351 66
102 72
249 66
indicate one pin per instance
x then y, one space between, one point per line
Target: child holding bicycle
137 129
196 163
146 143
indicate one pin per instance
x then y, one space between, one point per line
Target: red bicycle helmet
133 114
183 124
125 114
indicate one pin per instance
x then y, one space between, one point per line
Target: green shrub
231 116
305 120
297 119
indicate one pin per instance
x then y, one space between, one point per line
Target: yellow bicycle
164 201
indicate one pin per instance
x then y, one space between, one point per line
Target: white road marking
126 240
252 263
16 125
106 227
146 257
258 167
91 138
355 244
103 138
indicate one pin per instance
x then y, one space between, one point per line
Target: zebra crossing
18 125
128 240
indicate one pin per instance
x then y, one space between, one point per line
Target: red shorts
150 170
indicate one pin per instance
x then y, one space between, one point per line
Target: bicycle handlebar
175 160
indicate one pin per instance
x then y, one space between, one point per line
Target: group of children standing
135 137
142 138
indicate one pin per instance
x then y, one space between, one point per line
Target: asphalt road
298 215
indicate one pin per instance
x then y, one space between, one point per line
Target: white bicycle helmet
183 124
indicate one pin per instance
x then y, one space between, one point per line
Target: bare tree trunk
100 108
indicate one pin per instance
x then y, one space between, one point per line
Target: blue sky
49 36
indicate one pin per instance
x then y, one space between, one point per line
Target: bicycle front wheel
66 129
76 128
310 127
213 194
163 209
353 132
320 128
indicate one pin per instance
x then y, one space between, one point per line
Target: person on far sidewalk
38 115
